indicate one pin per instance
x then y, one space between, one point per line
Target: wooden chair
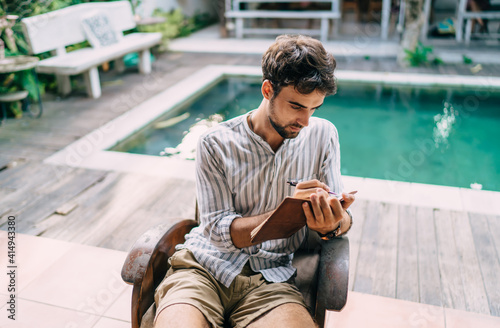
323 269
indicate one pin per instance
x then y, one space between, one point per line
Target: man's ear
267 89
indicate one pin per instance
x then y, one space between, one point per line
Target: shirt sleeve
215 199
330 168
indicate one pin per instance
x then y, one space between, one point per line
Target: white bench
233 10
56 30
468 16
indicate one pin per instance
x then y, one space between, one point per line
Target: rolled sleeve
215 199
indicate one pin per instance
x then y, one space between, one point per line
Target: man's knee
285 315
181 315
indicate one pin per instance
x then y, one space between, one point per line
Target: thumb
348 200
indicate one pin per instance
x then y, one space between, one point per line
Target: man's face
290 111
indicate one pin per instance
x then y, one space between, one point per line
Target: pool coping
90 151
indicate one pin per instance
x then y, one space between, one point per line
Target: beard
282 129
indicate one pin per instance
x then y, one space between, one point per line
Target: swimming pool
444 136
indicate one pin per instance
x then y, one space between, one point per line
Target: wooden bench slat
81 60
289 14
275 31
483 14
282 1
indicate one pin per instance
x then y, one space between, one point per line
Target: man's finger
325 205
304 193
308 212
316 208
312 184
336 205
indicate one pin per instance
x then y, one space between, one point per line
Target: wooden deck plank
54 196
475 294
34 176
449 264
130 201
125 235
366 264
494 224
488 259
15 201
27 151
176 200
38 135
407 278
52 145
89 202
384 283
14 172
163 201
428 267
4 161
358 210
23 180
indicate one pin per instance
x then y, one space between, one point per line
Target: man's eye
297 107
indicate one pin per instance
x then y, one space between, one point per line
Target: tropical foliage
176 25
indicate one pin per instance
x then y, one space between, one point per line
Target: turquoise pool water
443 136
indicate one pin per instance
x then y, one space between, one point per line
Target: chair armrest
147 263
333 276
138 258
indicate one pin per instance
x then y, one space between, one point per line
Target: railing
235 11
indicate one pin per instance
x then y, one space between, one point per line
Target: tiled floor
66 285
363 310
61 284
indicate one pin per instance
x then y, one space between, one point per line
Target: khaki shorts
248 297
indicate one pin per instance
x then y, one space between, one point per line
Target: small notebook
288 218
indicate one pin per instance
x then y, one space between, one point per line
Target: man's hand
327 212
305 189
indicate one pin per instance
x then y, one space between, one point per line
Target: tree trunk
414 18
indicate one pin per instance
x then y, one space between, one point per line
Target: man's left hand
327 212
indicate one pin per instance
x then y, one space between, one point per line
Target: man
242 169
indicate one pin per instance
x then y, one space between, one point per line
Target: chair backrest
61 28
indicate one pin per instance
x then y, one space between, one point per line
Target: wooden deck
426 255
438 257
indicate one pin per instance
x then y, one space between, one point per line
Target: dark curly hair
300 61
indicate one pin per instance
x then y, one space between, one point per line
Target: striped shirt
239 175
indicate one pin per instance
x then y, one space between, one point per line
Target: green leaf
437 61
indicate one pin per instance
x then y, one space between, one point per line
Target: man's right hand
305 189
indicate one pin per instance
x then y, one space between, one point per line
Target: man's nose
304 119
